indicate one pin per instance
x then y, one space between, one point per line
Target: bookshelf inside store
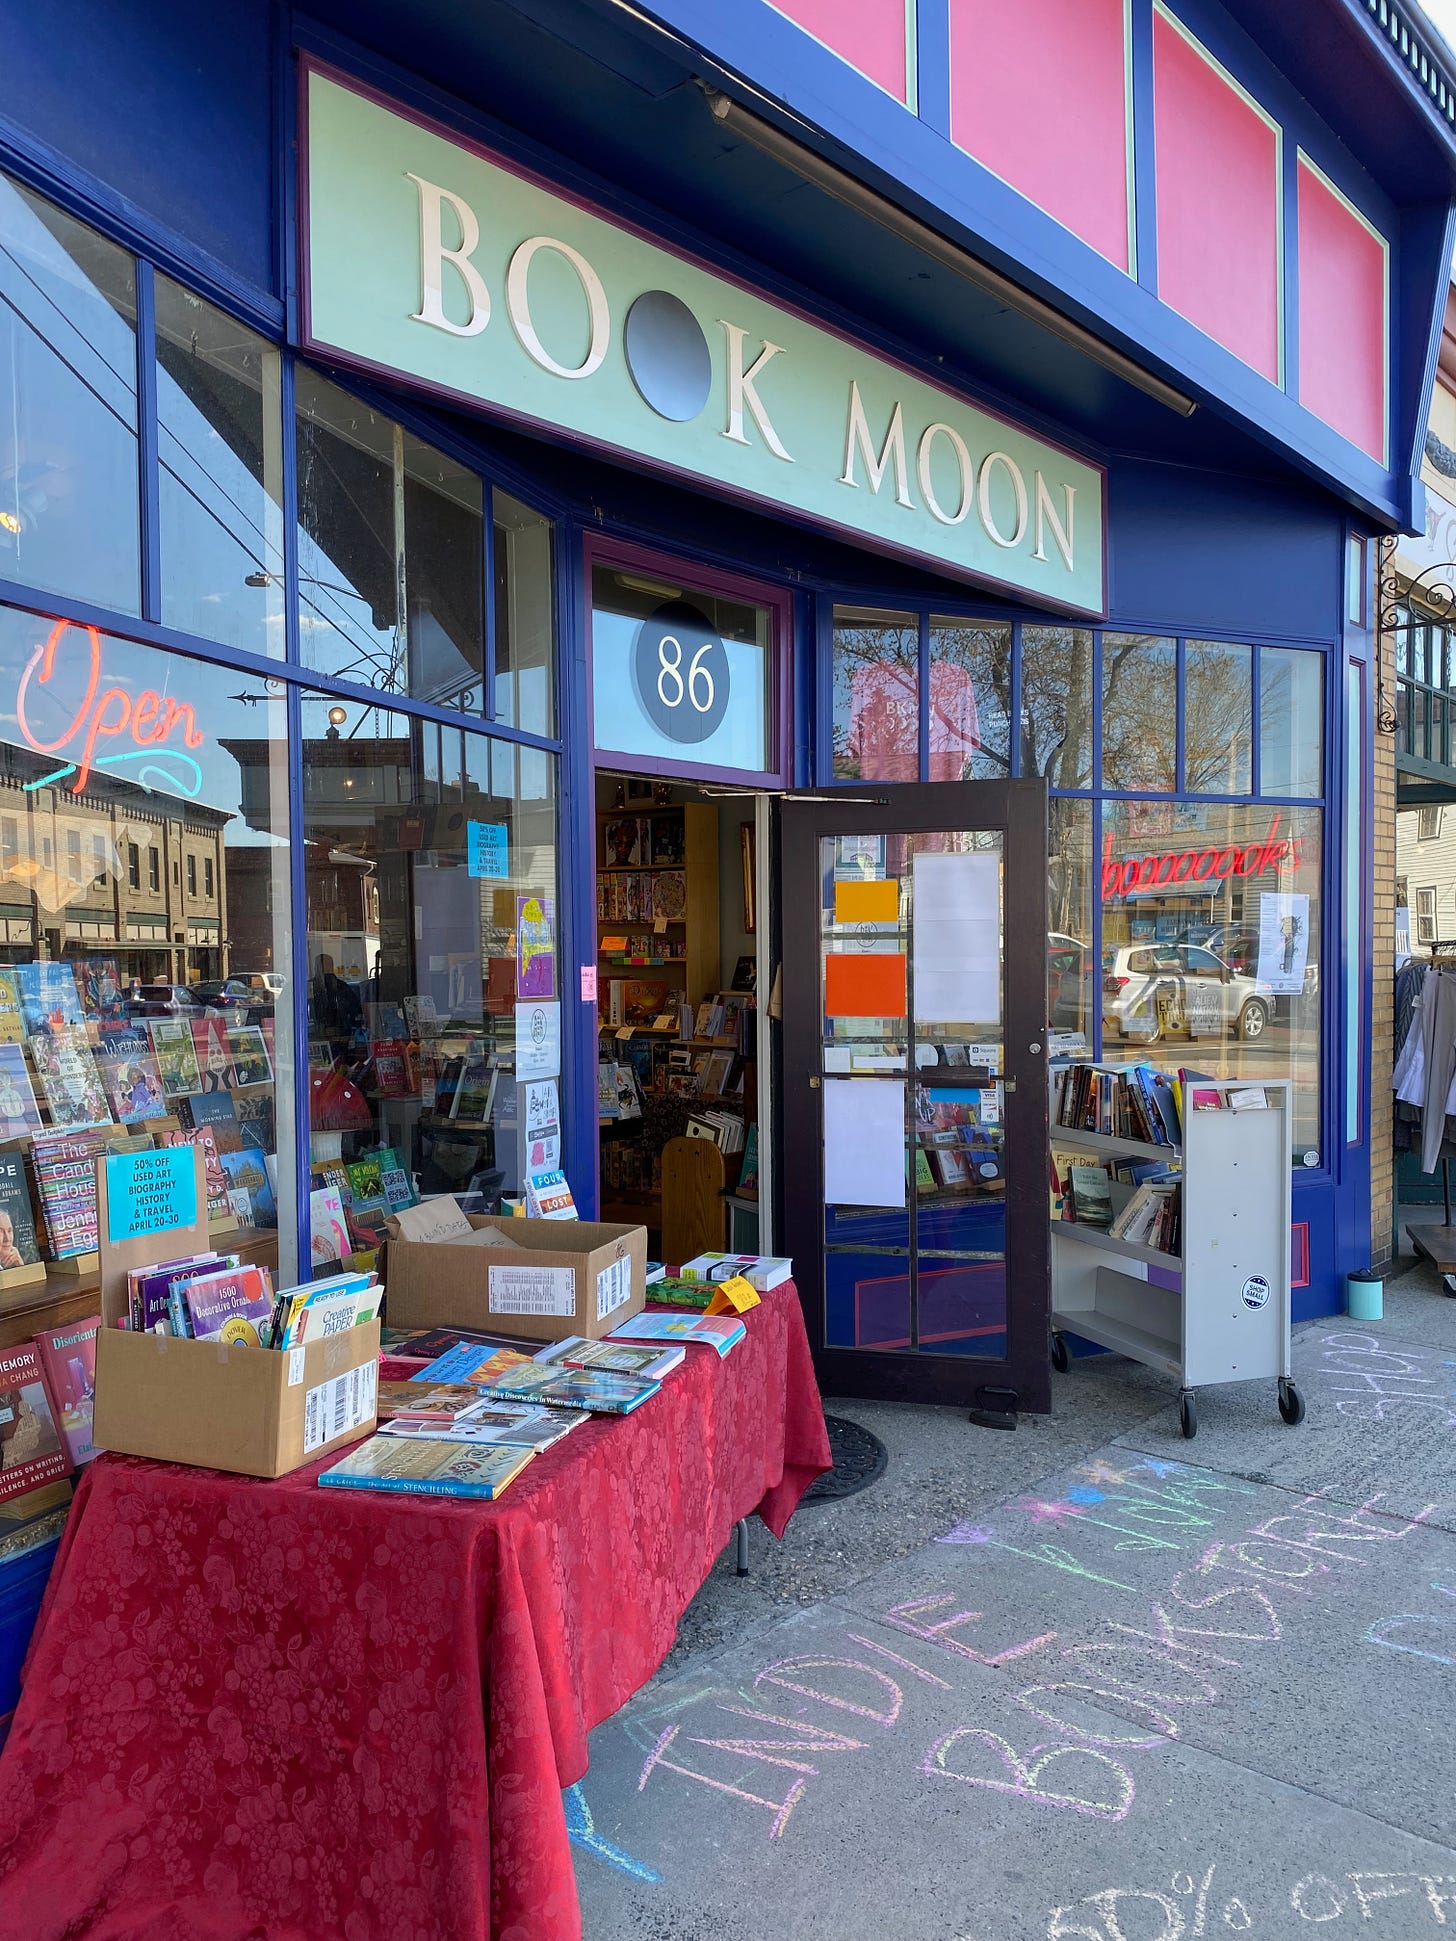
677 1004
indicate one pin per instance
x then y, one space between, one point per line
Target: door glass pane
1218 718
876 695
914 1165
1139 713
970 701
219 447
1211 943
69 509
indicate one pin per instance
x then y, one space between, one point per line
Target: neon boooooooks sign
1180 868
106 714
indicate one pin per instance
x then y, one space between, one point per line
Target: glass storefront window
970 701
136 996
391 553
876 696
1139 713
220 457
525 695
433 949
1218 718
1056 705
69 508
1070 970
1211 943
1291 721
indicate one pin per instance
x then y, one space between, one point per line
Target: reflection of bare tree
1140 715
1056 705
985 654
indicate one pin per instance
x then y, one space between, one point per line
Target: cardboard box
256 1411
560 1277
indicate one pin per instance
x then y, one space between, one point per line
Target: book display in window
69 1080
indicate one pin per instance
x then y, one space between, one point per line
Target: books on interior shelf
616 1357
425 1467
1135 1102
19 1245
68 1368
1091 1196
717 1331
68 1077
31 1449
63 1168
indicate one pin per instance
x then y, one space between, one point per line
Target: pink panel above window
869 34
1218 190
1342 327
1038 94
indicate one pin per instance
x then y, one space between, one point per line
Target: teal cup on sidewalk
1364 1296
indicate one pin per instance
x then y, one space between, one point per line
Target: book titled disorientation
428 1468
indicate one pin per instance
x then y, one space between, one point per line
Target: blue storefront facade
309 572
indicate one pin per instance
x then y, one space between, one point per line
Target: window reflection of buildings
69 887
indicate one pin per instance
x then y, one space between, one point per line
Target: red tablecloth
264 1711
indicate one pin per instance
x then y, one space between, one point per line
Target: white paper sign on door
864 1142
956 929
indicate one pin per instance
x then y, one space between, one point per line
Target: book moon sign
669 358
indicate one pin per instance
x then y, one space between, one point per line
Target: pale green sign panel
430 260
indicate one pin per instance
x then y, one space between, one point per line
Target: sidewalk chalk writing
1192 1906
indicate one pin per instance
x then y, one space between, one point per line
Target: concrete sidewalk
1087 1682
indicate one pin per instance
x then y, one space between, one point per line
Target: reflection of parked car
163 1001
1206 993
1069 983
249 994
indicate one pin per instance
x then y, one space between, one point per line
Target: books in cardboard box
232 1306
31 1449
420 1467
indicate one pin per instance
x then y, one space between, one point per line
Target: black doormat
859 1460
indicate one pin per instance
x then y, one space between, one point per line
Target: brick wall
1382 1027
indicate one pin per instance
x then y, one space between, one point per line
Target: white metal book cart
1225 1318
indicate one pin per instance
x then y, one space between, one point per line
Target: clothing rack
1438 1244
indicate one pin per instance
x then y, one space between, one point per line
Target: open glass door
915 1109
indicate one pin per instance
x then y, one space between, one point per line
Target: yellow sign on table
867 902
734 1296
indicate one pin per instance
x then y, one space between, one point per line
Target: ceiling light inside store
648 586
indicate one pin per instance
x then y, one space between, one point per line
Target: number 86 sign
680 672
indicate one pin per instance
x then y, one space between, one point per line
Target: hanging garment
1438 1034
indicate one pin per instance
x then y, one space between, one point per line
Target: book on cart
524 1425
434 1404
762 1271
596 1390
416 1467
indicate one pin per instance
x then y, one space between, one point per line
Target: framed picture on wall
747 836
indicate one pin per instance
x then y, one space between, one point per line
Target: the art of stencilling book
428 1468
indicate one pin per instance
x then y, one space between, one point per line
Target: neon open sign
1206 868
159 728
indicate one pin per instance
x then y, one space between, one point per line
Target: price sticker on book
734 1296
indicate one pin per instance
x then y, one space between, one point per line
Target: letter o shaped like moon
518 304
667 355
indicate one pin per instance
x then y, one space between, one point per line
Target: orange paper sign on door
866 902
864 986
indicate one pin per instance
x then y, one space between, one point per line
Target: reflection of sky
737 742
